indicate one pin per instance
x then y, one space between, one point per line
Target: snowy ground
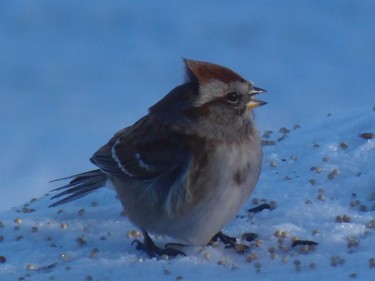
320 180
74 72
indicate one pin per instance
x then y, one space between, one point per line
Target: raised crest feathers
203 72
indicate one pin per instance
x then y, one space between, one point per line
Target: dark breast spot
240 175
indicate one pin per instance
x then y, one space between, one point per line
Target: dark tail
81 185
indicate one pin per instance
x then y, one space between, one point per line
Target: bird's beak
253 103
256 91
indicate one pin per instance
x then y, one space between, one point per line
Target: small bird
186 168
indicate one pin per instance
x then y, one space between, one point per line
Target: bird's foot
152 250
230 242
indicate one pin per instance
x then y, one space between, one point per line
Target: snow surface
89 239
74 72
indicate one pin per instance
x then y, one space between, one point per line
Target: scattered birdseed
94 253
273 205
134 234
321 197
295 127
284 234
367 136
268 142
297 242
64 256
31 267
352 242
317 170
353 275
293 157
257 266
325 159
164 257
371 262
3 259
206 255
249 236
297 265
312 265
81 212
343 218
344 145
63 226
258 243
89 278
312 181
19 237
34 229
18 220
94 204
273 164
371 224
267 134
252 257
166 272
284 130
354 203
259 208
337 261
363 208
179 277
240 248
371 197
81 241
27 210
333 174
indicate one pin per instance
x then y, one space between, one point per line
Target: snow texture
318 180
74 72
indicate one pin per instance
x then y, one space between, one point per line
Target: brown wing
143 151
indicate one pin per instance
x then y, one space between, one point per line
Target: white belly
210 215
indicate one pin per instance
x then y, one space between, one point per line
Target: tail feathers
81 185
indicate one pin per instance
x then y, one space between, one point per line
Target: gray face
224 110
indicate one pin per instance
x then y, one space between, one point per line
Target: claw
152 250
230 242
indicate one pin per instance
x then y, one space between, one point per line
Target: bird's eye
233 97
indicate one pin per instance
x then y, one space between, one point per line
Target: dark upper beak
253 103
257 91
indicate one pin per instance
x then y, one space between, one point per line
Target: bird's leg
230 242
152 250
227 240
